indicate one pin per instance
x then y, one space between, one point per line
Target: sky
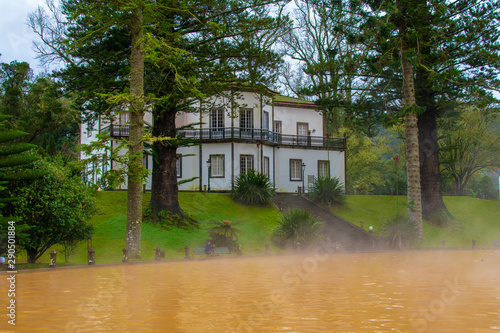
15 36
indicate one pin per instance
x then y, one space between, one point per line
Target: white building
279 136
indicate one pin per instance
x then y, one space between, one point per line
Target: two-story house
279 136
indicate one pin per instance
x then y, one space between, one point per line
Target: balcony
228 134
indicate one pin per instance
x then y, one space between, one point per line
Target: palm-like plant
326 189
398 230
252 188
224 234
297 226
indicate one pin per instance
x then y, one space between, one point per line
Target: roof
292 101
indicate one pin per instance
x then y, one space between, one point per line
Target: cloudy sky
15 36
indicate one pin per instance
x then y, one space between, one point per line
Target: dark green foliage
224 234
13 155
326 189
55 208
252 188
297 226
399 230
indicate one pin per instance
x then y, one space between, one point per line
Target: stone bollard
361 224
125 255
443 244
53 259
473 243
91 257
238 253
280 205
157 253
267 249
186 252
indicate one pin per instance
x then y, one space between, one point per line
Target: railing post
91 256
125 255
157 253
53 259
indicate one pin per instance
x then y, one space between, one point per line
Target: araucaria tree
192 50
86 23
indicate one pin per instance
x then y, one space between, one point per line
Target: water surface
428 291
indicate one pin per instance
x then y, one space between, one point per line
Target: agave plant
252 188
326 189
297 226
398 230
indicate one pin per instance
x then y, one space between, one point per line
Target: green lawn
475 219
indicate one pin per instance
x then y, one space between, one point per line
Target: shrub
252 188
398 230
297 226
328 190
224 234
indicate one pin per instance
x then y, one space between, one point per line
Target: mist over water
427 291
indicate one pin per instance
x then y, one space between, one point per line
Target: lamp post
209 165
303 169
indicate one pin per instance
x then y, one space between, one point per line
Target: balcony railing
235 133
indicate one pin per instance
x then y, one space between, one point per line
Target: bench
496 243
215 251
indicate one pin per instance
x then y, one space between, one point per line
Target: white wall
310 158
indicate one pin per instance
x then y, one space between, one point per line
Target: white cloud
16 37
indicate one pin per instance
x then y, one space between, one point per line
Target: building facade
279 136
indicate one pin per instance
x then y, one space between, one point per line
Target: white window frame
266 166
295 168
217 166
178 165
246 163
323 168
246 119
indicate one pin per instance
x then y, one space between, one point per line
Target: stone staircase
349 236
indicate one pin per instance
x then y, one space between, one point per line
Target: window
217 166
246 119
123 118
265 121
217 123
89 129
302 129
266 166
277 127
323 169
296 170
178 165
217 118
246 163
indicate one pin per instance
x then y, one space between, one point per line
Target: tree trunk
135 167
411 128
430 175
164 190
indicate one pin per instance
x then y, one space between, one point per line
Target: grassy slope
256 223
475 219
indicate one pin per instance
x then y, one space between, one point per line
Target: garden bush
252 188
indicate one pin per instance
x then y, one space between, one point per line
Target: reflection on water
441 291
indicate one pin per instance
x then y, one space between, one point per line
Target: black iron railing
256 134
